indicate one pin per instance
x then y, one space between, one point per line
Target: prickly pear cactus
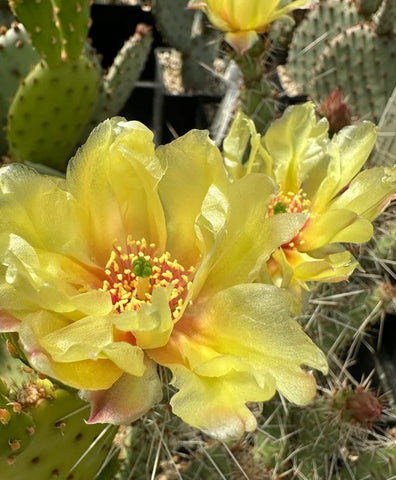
385 148
43 435
60 117
52 88
336 46
119 80
17 57
56 99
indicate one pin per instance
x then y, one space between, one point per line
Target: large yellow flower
321 178
242 21
142 258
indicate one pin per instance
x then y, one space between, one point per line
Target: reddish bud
362 406
336 110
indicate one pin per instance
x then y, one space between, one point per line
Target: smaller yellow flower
320 178
243 21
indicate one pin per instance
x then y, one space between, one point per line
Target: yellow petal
369 193
128 358
114 177
89 374
40 210
287 141
241 41
238 346
127 400
194 164
80 340
249 238
335 226
151 324
216 405
52 281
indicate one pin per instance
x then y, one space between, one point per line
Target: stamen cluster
290 202
133 274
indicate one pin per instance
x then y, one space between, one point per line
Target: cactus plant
336 34
120 78
42 428
54 88
17 57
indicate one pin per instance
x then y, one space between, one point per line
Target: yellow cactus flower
143 258
243 21
319 177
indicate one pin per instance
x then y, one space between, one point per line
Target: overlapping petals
143 258
320 177
243 21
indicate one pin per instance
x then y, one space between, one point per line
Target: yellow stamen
132 276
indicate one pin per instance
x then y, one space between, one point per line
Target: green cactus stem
73 17
17 57
40 21
257 96
50 110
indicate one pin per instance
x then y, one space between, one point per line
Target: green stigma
142 267
279 207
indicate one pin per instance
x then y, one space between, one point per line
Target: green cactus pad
50 111
73 17
62 446
363 65
16 428
17 57
175 23
322 24
40 21
121 77
379 463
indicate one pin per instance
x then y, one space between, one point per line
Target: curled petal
151 324
127 400
80 373
8 323
369 193
115 176
335 226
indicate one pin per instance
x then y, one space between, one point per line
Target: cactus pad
17 57
40 22
43 129
119 81
73 17
311 37
369 78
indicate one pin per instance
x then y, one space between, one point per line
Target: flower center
133 274
290 202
